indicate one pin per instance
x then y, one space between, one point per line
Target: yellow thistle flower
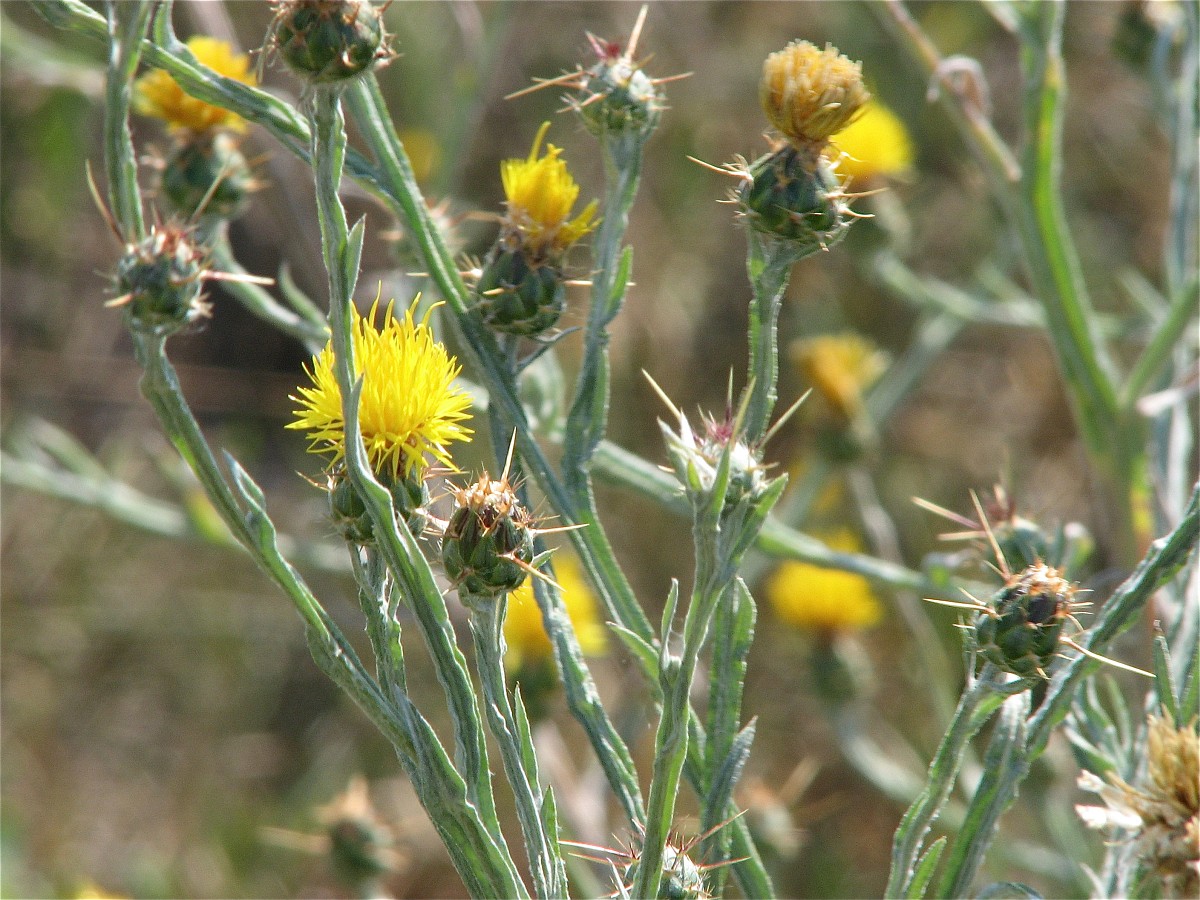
840 368
540 193
811 94
410 408
874 145
524 631
826 601
157 94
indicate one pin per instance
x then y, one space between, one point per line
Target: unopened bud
326 41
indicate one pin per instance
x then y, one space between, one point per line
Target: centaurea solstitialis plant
384 404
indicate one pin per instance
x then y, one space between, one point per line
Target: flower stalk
484 861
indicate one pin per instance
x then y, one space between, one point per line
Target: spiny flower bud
361 844
520 288
618 96
160 281
488 544
1020 631
327 41
207 177
697 458
791 196
682 879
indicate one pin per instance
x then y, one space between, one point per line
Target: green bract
488 544
790 197
518 298
350 515
327 41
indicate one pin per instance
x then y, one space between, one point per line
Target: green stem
340 249
126 24
733 634
587 419
1001 767
487 630
769 265
671 740
1030 196
1163 343
583 699
981 698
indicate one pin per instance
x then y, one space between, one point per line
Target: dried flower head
1162 817
875 145
525 632
158 94
540 193
410 409
821 600
811 94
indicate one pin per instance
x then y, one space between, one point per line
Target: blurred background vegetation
164 730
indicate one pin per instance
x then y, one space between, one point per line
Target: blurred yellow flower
91 891
540 193
875 144
822 600
811 94
524 631
157 94
840 368
410 408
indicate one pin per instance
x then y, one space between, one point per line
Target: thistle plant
413 404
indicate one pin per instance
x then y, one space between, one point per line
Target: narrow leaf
1164 680
925 868
725 778
1008 890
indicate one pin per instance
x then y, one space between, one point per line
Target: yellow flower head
540 193
157 94
875 144
840 368
826 601
524 631
811 94
410 408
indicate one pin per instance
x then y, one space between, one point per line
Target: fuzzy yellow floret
540 193
811 94
157 94
410 408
